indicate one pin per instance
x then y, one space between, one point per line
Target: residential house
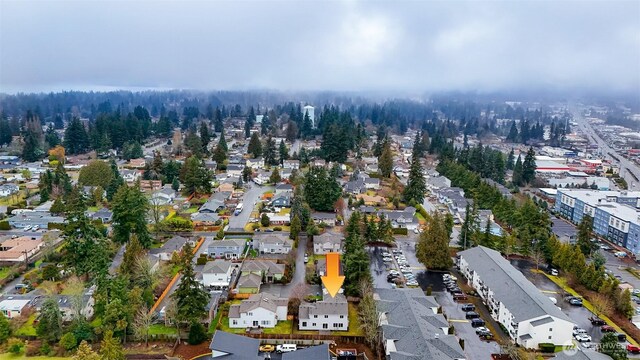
137 163
34 218
528 315
213 205
329 314
257 163
327 242
228 249
355 187
319 163
268 270
19 249
272 243
13 308
249 283
8 189
234 170
321 266
412 328
229 346
503 189
283 188
218 273
435 183
282 200
454 199
258 311
291 164
403 218
371 183
262 177
130 176
205 219
173 245
226 187
105 215
401 170
579 354
149 186
325 218
279 219
164 196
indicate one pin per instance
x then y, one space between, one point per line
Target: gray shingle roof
509 286
581 354
319 352
237 346
413 326
216 267
261 300
328 306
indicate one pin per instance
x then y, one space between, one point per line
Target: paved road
295 147
626 166
249 200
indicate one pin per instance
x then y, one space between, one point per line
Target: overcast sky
410 46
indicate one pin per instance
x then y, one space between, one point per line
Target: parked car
460 297
583 338
286 348
607 328
579 331
477 323
468 307
596 321
471 315
267 348
575 302
634 349
620 254
621 337
481 329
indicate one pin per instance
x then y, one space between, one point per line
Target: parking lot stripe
549 291
459 320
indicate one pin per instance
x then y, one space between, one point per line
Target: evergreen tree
529 166
85 352
195 177
5 131
130 209
513 133
585 228
517 173
292 131
86 250
510 160
416 185
269 152
321 190
116 180
220 152
110 347
296 227
190 296
205 137
193 143
218 126
76 140
356 264
299 208
5 328
275 176
385 160
50 321
283 152
433 245
255 146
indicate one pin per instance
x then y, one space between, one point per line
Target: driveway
249 199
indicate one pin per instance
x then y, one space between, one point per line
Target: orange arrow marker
333 281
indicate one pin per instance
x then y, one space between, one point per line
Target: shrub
400 231
4 225
547 347
277 228
177 224
15 346
197 334
201 261
68 341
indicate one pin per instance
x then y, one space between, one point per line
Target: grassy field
157 329
27 329
4 272
283 327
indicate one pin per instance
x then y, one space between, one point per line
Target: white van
284 348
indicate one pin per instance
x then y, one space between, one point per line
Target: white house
257 163
291 164
327 242
528 315
130 176
217 273
8 189
272 243
328 314
12 308
259 310
163 196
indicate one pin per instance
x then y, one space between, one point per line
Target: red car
633 349
607 328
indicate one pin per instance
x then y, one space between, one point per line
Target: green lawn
191 210
354 323
283 327
93 208
157 329
4 272
224 326
156 245
27 329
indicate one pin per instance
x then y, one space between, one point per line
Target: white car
579 331
27 228
583 338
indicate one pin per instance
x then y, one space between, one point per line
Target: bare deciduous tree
601 304
142 323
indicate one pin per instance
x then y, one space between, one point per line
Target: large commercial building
513 301
615 214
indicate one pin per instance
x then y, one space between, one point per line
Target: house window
314 324
325 326
341 316
326 316
235 322
304 323
315 316
550 329
250 313
549 337
265 322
